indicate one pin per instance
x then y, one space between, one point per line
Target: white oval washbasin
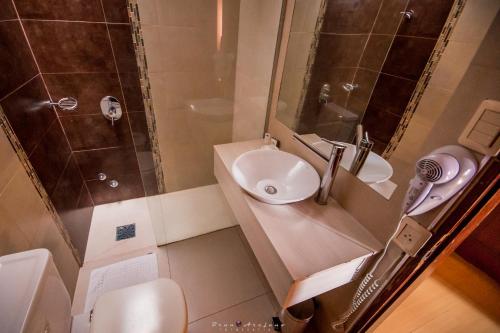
274 176
375 169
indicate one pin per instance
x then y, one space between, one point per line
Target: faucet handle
335 144
359 134
337 148
362 151
366 137
365 142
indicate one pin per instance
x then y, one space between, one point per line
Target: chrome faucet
331 168
330 171
363 148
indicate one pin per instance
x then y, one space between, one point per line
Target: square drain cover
125 231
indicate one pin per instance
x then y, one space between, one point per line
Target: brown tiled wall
83 49
406 59
367 42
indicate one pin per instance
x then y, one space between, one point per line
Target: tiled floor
221 281
218 272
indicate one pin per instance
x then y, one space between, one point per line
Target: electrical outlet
411 236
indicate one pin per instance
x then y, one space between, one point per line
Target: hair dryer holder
440 193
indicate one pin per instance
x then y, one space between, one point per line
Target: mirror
376 169
353 68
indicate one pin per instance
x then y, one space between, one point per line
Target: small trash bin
296 318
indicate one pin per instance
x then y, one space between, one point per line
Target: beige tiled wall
358 198
257 36
203 94
25 222
452 96
435 117
186 71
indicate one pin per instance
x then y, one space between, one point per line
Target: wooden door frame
474 204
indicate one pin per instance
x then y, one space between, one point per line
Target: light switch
486 128
482 132
481 138
491 116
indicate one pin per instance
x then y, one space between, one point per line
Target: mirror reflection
350 74
371 169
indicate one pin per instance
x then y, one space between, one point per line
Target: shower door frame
140 54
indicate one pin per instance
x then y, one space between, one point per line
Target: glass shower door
209 67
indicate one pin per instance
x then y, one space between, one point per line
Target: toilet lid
156 306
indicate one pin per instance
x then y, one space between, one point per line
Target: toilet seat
155 306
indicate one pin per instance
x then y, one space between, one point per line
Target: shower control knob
349 86
408 14
111 109
324 94
113 183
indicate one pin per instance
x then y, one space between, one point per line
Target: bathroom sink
375 170
275 177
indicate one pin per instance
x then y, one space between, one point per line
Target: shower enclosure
157 82
78 158
207 68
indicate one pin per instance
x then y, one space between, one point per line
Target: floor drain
125 231
270 189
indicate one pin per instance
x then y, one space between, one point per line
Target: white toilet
34 299
156 306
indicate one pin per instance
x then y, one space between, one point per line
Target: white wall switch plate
411 236
482 132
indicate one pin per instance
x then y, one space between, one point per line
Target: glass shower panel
191 53
209 66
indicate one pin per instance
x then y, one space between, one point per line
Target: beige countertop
308 238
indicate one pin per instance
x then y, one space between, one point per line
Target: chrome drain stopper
270 189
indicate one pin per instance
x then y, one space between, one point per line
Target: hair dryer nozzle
437 168
440 175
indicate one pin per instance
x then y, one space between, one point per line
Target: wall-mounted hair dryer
439 175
